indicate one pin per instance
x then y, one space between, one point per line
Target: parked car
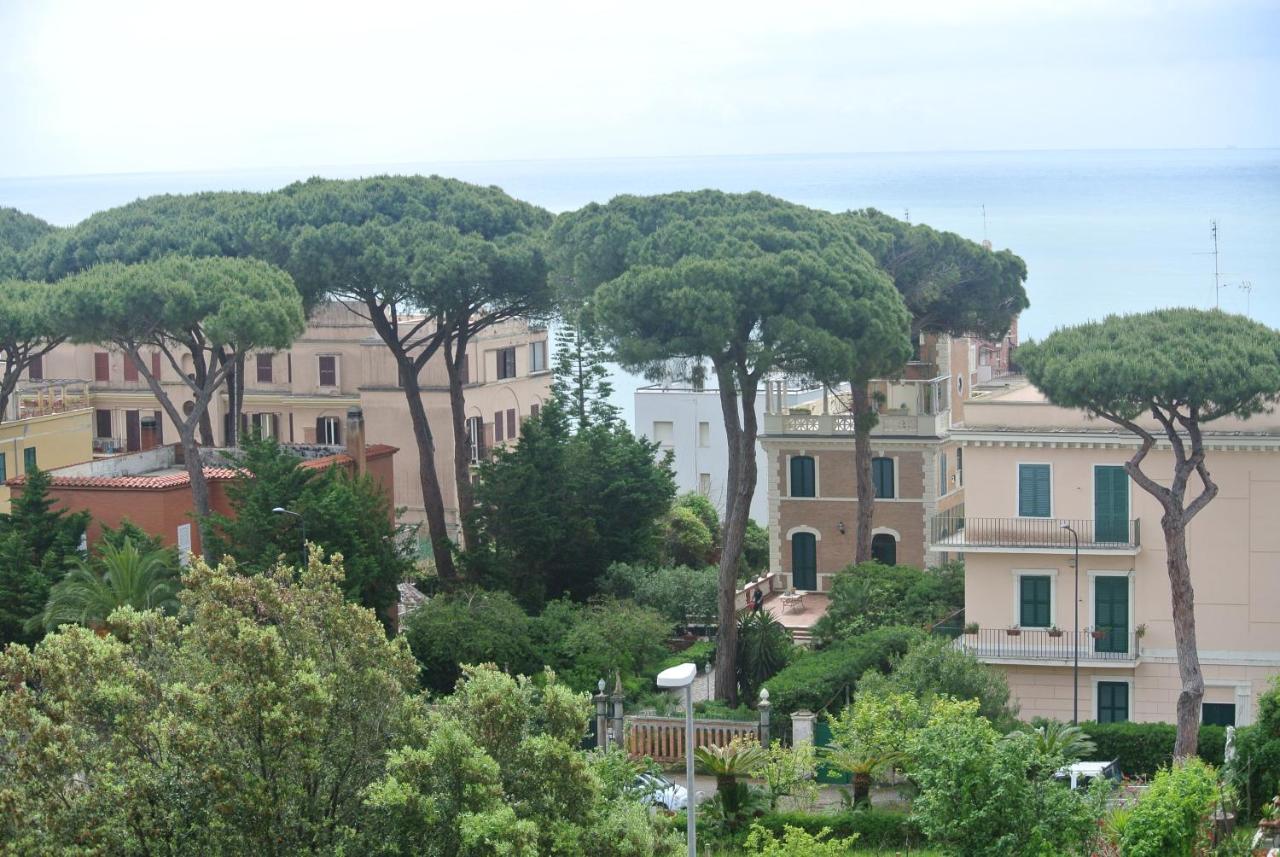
657 790
1082 772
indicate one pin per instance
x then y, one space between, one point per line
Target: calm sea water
1101 231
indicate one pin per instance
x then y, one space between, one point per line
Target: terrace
954 531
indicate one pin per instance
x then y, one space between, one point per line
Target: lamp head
280 510
677 676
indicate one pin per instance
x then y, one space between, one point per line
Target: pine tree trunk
864 421
1184 633
741 431
461 442
200 505
432 499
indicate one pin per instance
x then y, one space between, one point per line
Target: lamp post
302 523
676 677
1075 667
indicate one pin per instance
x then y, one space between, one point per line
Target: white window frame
1093 488
805 528
538 348
704 442
1018 574
1118 679
337 422
1017 491
1102 572
337 371
897 468
817 476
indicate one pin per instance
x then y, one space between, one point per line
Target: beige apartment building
1032 470
49 424
918 469
302 395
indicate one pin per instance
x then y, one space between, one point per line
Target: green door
1113 701
804 561
1111 614
1110 504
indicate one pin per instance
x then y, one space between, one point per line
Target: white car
657 790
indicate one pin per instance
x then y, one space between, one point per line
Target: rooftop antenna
906 215
985 242
1217 285
1247 288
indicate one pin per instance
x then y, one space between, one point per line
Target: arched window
884 549
804 561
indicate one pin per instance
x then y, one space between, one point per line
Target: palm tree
1071 743
764 647
121 577
862 763
736 759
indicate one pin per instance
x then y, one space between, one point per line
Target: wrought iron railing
1106 644
958 531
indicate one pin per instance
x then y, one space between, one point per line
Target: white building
690 424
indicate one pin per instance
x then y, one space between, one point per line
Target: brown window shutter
130 368
511 423
264 368
101 366
103 422
497 426
319 430
534 409
159 423
132 431
155 366
35 369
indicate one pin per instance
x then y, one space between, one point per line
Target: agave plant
121 577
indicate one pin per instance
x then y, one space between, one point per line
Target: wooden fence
662 738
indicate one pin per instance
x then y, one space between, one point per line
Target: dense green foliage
468 628
875 828
37 543
870 596
984 794
691 532
1143 748
755 551
18 231
683 595
1169 818
603 638
344 514
796 842
559 508
814 680
1255 773
933 667
118 576
30 326
764 648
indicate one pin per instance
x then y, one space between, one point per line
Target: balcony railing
828 425
958 532
1040 644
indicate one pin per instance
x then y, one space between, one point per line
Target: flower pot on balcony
971 629
1097 635
1055 632
1013 632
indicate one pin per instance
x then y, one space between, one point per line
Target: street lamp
1075 668
676 677
302 523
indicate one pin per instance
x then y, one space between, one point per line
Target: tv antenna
1218 285
1246 287
906 215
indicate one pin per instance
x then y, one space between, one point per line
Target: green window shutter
803 483
4 468
1113 701
1033 490
29 459
804 561
1034 600
882 477
1219 714
1111 504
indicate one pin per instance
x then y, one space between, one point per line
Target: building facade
302 395
1041 477
49 424
917 468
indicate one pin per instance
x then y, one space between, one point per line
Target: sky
89 87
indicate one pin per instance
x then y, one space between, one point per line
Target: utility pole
1247 288
1217 286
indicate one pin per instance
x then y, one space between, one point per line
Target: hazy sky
131 85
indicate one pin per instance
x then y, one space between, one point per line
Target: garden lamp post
676 677
1075 630
302 523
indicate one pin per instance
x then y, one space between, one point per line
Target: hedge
812 680
1144 748
876 828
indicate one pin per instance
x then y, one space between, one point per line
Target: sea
1102 231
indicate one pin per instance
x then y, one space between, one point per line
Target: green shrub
870 595
755 551
797 842
875 828
815 679
1168 820
1143 748
469 628
934 667
682 594
1255 773
602 638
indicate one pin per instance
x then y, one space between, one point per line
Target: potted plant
1140 632
1097 634
1271 814
1055 631
1014 631
971 628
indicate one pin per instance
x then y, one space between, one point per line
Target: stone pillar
355 438
601 700
802 723
763 709
619 739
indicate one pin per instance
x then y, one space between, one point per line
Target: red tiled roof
174 480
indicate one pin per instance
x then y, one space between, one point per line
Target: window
1110 503
28 459
264 425
328 370
882 477
959 467
704 484
1113 701
497 426
537 356
804 561
264 368
884 549
101 366
511 424
1035 600
1034 491
4 468
534 410
102 423
35 369
1219 714
942 473
704 434
130 368
155 365
506 363
803 477
328 431
664 432
475 438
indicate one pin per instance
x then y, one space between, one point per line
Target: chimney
355 438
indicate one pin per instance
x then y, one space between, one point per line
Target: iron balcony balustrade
1042 644
955 531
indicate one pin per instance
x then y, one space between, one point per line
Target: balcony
44 398
1106 647
954 531
906 407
